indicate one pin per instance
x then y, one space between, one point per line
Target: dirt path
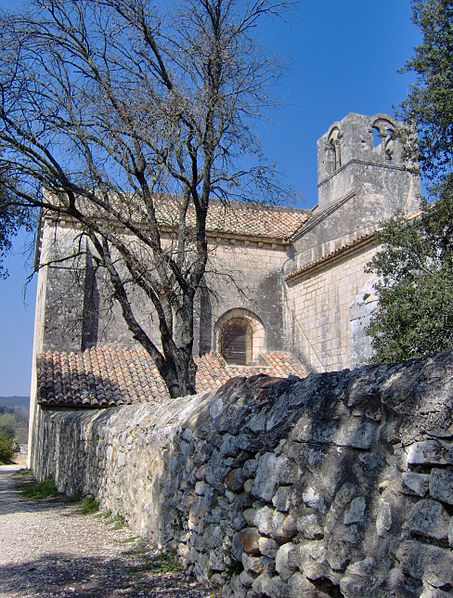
49 549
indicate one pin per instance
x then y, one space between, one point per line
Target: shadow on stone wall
339 484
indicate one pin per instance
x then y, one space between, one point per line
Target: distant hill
15 402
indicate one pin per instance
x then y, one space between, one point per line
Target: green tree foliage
415 312
6 449
14 423
415 288
8 425
429 105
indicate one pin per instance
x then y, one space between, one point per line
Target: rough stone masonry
339 484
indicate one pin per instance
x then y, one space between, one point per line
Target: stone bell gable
362 182
361 155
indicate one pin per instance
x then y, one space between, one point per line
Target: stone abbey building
337 484
288 291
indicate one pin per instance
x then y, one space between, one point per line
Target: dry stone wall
339 484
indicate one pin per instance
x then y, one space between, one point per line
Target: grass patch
24 473
118 522
167 562
151 564
89 505
39 490
128 540
138 552
106 515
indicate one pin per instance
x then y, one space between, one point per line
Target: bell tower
360 155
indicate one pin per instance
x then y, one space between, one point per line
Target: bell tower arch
362 155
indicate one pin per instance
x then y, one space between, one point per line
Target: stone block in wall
384 519
268 520
252 564
431 564
344 543
441 485
270 472
429 453
356 511
286 560
235 480
285 530
248 539
280 500
430 519
309 527
268 547
273 587
349 433
363 578
415 483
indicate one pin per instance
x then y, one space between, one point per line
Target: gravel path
49 549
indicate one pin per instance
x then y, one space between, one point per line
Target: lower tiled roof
108 376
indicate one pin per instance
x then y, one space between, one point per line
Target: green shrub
37 490
77 497
7 447
25 473
89 505
166 562
118 522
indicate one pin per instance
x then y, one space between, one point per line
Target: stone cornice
364 163
329 259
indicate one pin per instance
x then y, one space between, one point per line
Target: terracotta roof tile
108 376
231 218
249 219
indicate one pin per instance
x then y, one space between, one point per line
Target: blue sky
341 57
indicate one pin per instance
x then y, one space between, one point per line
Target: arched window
333 149
383 132
239 336
236 341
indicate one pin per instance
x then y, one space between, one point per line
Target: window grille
236 343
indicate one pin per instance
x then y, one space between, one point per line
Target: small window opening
376 137
383 131
236 342
334 150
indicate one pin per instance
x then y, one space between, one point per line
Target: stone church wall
339 484
321 309
248 277
78 299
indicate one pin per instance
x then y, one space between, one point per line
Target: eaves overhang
362 242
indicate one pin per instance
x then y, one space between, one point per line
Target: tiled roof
232 217
108 376
241 218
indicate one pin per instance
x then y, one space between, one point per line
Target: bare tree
108 109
